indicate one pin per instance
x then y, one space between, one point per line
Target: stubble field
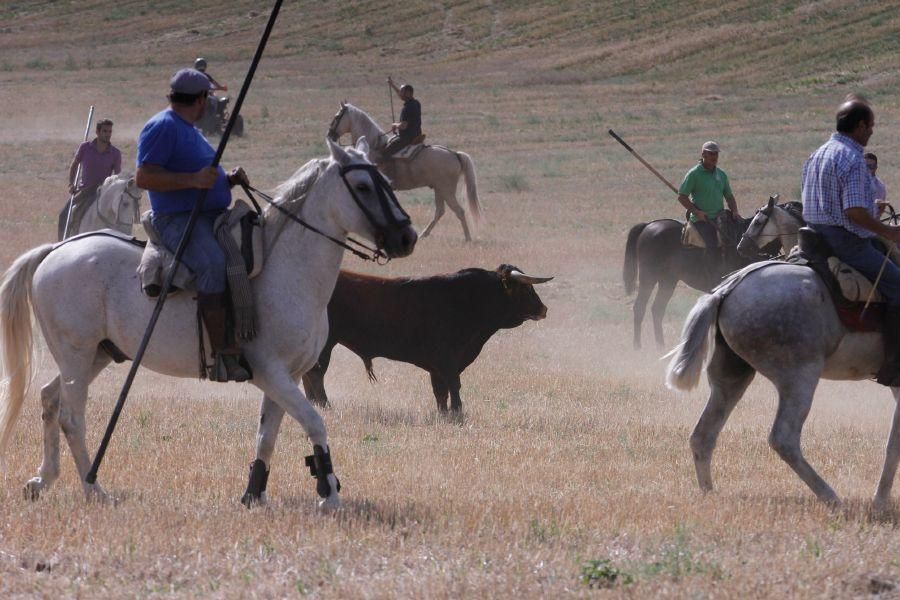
570 473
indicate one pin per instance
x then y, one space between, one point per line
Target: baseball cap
189 81
711 146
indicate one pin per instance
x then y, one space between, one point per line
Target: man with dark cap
409 127
701 193
839 204
211 100
173 164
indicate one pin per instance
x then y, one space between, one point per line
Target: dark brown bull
438 323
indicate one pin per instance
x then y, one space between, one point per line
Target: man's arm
73 170
216 85
157 179
689 206
862 217
117 165
393 85
732 205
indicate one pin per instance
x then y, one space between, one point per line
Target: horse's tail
16 340
689 356
630 269
471 186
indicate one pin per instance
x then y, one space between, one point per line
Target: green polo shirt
706 190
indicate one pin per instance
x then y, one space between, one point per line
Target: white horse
436 167
118 206
105 310
772 222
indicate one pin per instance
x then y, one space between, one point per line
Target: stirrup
228 367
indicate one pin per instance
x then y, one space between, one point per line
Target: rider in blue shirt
173 164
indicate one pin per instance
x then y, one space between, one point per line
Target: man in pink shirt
98 159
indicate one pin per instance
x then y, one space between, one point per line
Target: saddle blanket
246 229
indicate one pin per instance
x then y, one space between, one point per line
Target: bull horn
528 279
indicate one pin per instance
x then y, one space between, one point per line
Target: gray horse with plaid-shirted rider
779 320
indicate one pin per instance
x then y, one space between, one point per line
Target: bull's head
519 289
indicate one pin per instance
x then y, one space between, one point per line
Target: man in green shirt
701 193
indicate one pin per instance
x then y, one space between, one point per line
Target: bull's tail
630 269
370 370
471 187
689 356
16 338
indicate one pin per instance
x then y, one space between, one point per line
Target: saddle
691 237
849 289
728 228
411 151
246 228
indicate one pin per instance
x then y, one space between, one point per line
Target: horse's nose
748 247
401 242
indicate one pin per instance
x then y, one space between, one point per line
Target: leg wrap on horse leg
319 463
256 485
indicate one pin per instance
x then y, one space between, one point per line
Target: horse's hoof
330 504
253 500
881 506
94 493
33 488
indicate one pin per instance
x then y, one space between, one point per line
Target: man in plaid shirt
839 204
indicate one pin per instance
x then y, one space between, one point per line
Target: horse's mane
292 193
374 134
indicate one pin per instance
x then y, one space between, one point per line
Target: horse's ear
338 154
363 145
344 103
771 202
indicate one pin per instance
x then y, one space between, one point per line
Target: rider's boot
226 356
889 373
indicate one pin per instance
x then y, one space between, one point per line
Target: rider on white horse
173 163
839 204
409 127
98 159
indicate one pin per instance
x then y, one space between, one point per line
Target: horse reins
377 255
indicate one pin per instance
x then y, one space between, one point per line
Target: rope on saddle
238 281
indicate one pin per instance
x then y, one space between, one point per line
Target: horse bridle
767 213
386 200
332 128
136 208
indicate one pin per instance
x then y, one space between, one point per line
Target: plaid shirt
835 178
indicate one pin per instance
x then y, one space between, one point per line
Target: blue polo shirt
172 143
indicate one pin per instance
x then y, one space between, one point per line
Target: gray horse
779 320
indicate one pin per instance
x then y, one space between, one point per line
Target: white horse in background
104 310
117 206
436 167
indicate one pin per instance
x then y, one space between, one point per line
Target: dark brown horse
656 258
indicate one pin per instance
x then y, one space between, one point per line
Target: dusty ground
572 452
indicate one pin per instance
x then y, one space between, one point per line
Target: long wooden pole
182 244
643 162
87 130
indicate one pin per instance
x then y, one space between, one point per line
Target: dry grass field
570 474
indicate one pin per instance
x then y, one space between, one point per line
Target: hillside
696 47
